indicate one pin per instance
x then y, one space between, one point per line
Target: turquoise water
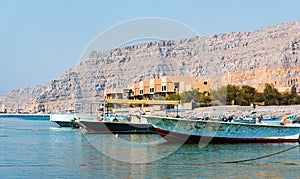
39 149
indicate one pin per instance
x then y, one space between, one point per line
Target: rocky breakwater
270 55
239 111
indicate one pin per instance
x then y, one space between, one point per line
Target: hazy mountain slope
270 55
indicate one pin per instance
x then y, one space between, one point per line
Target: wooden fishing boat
194 131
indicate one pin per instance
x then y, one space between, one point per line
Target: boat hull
64 120
195 131
72 124
174 137
106 127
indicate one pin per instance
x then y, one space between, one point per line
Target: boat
246 119
65 120
188 130
116 125
260 120
107 127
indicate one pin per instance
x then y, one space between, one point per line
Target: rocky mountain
270 55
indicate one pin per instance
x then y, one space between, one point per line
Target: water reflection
148 148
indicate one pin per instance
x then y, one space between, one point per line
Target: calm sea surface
40 149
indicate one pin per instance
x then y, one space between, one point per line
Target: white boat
66 120
191 131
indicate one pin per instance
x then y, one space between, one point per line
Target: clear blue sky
40 40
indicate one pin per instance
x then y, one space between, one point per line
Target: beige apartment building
158 87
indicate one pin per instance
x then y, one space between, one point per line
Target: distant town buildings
158 87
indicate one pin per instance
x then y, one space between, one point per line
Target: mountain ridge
268 55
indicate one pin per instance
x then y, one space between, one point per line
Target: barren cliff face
270 55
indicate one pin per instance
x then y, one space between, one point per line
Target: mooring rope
252 159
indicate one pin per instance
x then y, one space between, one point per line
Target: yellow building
157 87
116 93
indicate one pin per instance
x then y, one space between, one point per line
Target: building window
164 88
151 90
205 82
141 91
